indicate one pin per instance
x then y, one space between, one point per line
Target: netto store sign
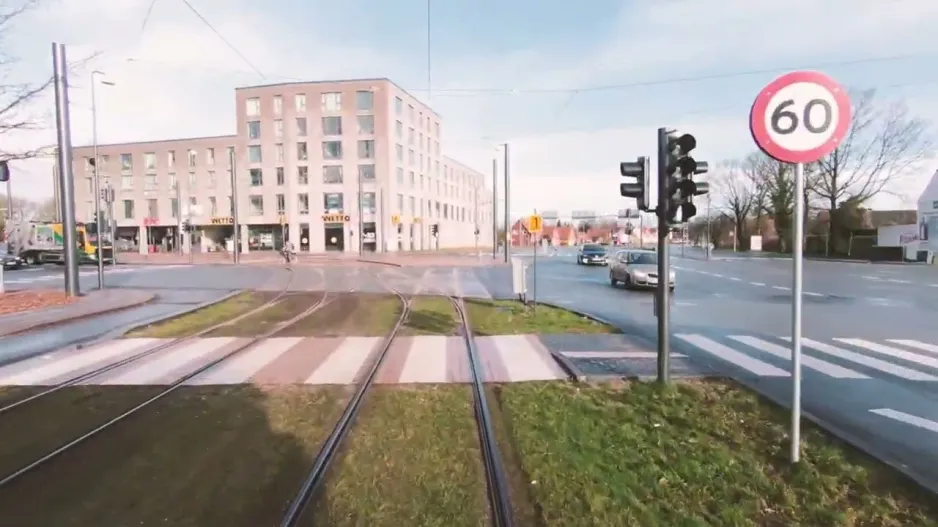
223 220
336 218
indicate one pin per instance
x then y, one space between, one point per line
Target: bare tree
16 98
883 143
738 186
778 185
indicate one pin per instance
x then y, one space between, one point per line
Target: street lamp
97 181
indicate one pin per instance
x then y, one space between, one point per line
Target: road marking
732 356
784 353
166 362
891 351
933 285
895 281
34 373
859 358
915 344
757 283
616 354
812 293
780 288
908 419
872 277
735 279
242 367
717 275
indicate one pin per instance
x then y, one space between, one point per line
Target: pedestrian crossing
838 358
23 277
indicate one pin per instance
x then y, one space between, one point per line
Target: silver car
636 269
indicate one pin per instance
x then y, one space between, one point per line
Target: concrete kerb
117 333
80 316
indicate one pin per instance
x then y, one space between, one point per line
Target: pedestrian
288 251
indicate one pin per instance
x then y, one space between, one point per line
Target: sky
573 88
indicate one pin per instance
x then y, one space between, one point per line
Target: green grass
203 318
704 453
203 456
430 315
510 317
267 320
412 460
349 315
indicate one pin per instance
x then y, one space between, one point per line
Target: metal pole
112 222
234 208
494 208
57 193
797 241
663 313
709 223
507 207
66 183
97 187
534 278
384 242
361 232
179 236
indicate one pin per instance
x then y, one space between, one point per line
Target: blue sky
566 145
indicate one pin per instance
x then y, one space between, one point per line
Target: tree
738 185
882 144
777 181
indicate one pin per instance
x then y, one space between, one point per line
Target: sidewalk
63 310
396 259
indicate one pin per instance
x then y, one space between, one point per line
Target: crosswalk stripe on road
911 359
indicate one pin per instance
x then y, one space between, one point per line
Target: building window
281 178
278 105
127 182
172 182
368 202
366 149
364 100
411 157
128 209
257 177
302 175
366 172
332 149
252 106
398 106
254 153
211 179
171 159
332 202
127 162
278 128
279 152
193 203
413 208
193 155
299 102
212 206
400 176
149 161
366 124
149 182
410 112
411 133
400 203
332 102
399 150
436 128
332 174
399 129
281 204
257 206
191 180
210 157
302 203
412 178
153 208
254 129
173 208
301 127
331 126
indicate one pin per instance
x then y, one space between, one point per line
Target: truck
43 242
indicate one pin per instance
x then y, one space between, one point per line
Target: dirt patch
32 300
349 315
264 321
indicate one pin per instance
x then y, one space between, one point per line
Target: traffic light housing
435 229
640 190
676 169
4 171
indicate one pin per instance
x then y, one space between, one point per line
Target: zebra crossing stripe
871 362
915 345
732 356
891 351
822 366
908 419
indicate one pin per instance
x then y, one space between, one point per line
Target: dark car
591 254
11 262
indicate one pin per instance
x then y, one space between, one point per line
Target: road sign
534 223
800 117
395 219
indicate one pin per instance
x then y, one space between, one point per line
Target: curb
81 316
117 333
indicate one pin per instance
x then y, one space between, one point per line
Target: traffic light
640 169
4 171
435 229
186 225
676 169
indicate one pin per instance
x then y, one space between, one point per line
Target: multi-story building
303 153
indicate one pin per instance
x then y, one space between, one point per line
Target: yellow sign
534 223
418 220
395 219
223 220
336 218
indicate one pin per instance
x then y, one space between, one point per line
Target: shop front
334 231
369 237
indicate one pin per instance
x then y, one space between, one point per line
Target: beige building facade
330 166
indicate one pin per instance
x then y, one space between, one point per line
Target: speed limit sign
800 117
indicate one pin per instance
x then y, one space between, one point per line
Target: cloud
565 147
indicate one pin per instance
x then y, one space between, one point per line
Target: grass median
511 317
203 318
702 453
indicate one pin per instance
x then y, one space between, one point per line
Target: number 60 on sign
800 117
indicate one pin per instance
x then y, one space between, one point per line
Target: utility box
519 279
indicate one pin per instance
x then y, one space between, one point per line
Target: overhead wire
231 46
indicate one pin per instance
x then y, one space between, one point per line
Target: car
637 269
591 254
11 262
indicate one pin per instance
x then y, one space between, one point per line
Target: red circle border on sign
757 117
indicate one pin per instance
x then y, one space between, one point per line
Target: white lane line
760 284
891 351
733 278
780 288
781 352
916 345
932 285
859 358
732 356
908 419
717 275
893 280
871 277
812 293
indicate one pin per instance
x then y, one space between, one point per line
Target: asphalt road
870 341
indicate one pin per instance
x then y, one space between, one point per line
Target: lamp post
96 177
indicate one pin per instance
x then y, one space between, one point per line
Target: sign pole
796 298
236 236
537 222
64 161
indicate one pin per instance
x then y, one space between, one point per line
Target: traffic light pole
664 268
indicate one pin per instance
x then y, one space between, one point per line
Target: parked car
637 269
11 262
591 254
